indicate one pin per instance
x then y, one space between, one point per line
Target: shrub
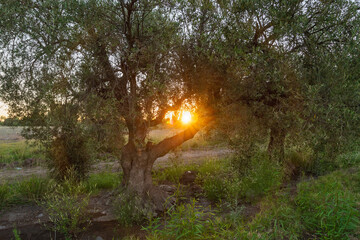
187 222
69 154
66 206
131 209
328 210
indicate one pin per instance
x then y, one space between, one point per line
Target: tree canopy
88 72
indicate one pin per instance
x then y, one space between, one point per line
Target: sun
185 117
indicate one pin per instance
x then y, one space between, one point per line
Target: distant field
13 147
10 134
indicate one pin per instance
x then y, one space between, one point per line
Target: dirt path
185 157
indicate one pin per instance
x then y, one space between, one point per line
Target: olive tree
80 62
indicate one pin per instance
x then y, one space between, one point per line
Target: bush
66 206
131 209
262 176
69 155
187 222
328 210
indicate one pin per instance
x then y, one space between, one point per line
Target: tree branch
164 110
170 143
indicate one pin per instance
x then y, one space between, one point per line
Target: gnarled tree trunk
137 163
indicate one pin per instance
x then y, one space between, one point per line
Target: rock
195 190
99 238
167 188
40 215
188 177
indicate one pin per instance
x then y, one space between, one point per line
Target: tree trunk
137 163
137 166
276 144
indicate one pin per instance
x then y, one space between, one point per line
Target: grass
27 191
187 222
102 180
18 152
34 189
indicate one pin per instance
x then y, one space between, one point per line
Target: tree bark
276 144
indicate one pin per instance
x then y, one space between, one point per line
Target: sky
3 109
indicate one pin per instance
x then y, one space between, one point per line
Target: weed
5 195
187 222
66 206
27 191
16 234
215 188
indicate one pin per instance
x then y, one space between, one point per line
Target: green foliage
348 159
131 209
69 155
328 210
187 221
66 205
215 188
